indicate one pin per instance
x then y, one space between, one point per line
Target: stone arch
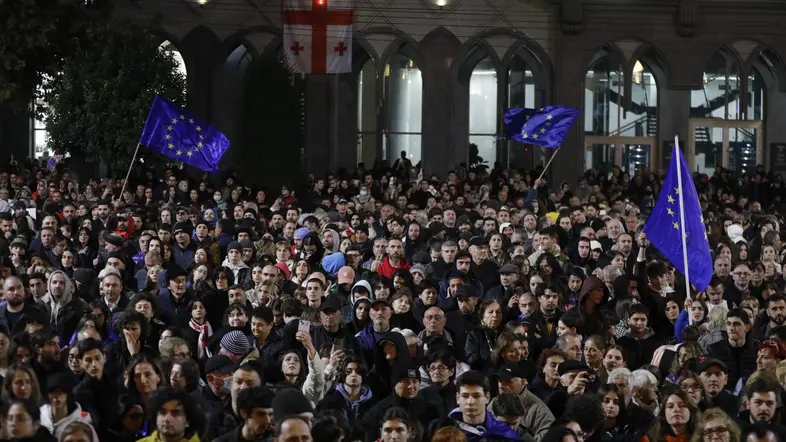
473 51
362 52
655 59
401 43
609 48
724 49
243 37
440 36
766 60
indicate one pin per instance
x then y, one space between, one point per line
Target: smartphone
338 345
304 326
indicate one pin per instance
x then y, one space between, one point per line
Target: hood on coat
353 297
332 263
402 351
589 284
67 294
336 240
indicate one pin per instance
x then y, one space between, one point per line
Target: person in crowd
484 304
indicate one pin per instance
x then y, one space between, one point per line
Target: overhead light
442 3
201 2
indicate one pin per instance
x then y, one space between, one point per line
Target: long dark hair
661 429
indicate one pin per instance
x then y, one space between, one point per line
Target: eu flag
547 126
179 135
664 226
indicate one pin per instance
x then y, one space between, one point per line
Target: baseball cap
509 371
346 275
706 363
220 363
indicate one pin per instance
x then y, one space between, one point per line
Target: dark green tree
35 38
98 104
269 136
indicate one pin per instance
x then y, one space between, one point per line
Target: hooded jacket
64 313
354 411
492 430
57 428
592 323
380 375
348 311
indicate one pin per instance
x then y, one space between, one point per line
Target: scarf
205 332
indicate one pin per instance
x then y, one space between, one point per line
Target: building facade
431 76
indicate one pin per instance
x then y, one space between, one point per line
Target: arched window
483 109
239 59
526 87
610 112
403 95
731 142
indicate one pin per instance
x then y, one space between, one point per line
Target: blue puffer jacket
492 430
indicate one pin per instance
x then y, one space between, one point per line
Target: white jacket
314 386
57 428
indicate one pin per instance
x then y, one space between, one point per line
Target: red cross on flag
318 35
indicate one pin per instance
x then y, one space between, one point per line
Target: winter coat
492 430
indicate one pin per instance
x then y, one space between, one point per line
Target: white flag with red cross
318 35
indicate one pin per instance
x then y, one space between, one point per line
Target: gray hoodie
53 304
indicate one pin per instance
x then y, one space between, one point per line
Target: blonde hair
710 415
717 317
780 372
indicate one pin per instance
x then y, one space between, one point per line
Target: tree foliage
35 38
98 103
267 147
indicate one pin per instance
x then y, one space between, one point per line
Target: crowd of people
487 305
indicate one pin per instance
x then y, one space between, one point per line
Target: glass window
719 96
604 98
404 104
483 110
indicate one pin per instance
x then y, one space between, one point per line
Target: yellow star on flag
170 145
671 200
189 153
199 144
535 136
543 130
670 212
549 117
168 137
182 117
179 152
677 190
676 225
191 120
199 128
201 137
169 128
524 135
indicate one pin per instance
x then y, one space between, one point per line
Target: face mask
227 384
216 198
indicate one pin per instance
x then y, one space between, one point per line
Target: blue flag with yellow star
664 226
179 135
547 126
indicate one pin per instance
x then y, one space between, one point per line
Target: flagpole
548 163
133 160
683 230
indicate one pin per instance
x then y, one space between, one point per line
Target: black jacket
443 398
739 368
477 349
221 423
100 399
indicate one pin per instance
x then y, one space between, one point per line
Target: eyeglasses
691 388
437 368
714 433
